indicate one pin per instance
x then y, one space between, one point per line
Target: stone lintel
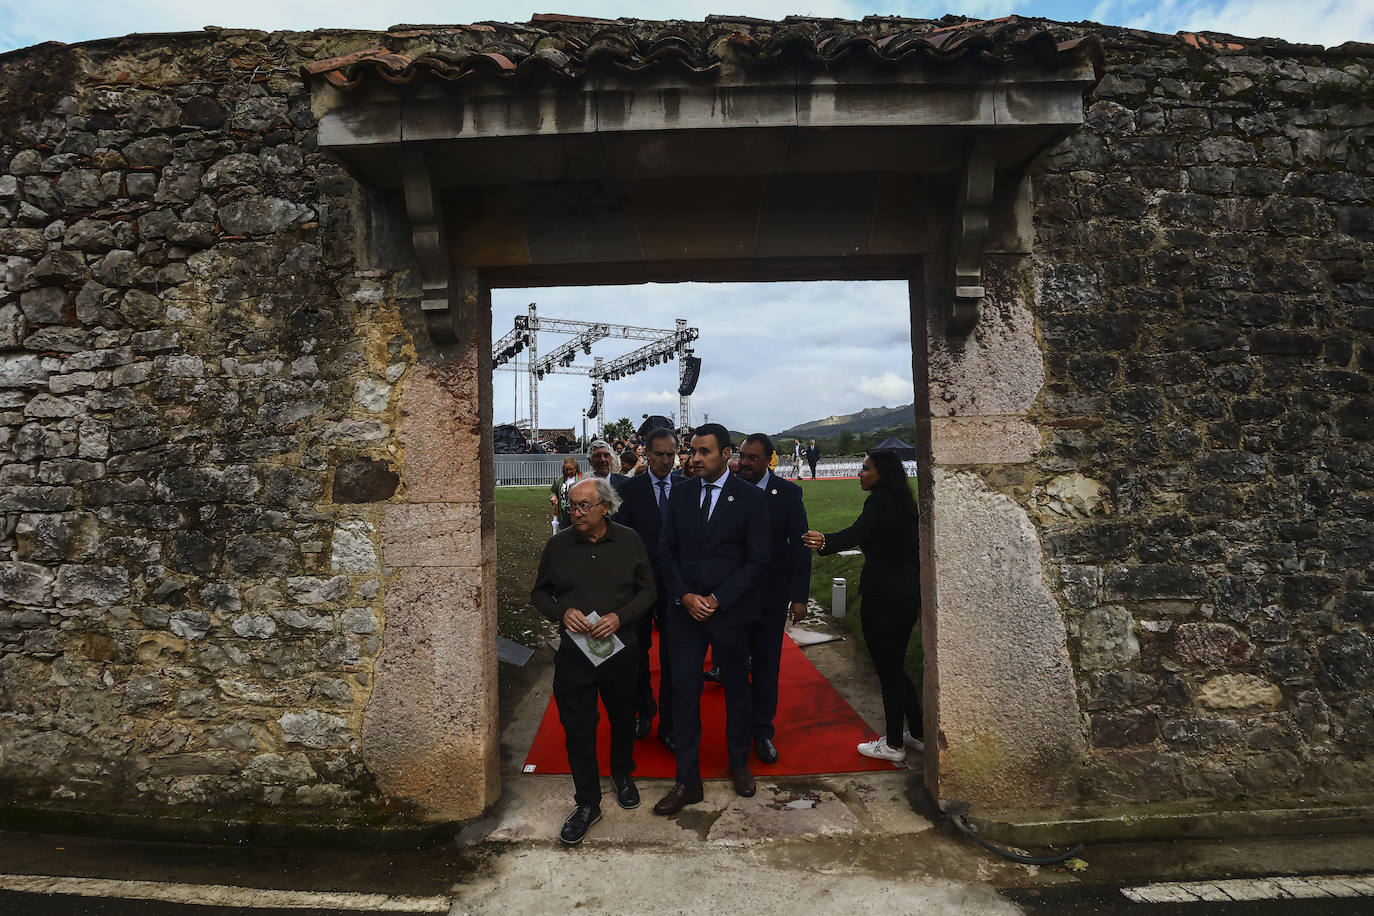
983 440
1052 106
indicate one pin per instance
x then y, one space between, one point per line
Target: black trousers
688 640
813 469
765 655
887 624
645 704
576 685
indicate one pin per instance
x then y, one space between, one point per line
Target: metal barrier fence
832 469
534 470
542 470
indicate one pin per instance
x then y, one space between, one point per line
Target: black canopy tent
893 444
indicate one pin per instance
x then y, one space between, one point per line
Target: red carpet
816 731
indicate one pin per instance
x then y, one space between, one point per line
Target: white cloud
1324 22
889 388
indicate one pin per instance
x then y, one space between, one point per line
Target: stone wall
1205 298
229 461
201 353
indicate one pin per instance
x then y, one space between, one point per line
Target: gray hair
598 443
605 493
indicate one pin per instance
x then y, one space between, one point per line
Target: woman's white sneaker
911 741
879 749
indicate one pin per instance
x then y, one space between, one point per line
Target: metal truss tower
663 345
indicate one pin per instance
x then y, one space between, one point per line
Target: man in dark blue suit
643 506
785 586
713 552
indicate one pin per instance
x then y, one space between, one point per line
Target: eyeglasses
582 508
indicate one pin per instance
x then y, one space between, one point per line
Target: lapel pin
729 499
774 491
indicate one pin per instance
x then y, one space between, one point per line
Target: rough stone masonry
207 353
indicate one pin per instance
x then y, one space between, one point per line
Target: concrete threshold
1040 828
225 830
850 805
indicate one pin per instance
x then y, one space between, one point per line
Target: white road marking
1274 888
223 895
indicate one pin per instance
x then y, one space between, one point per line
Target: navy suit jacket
788 576
639 510
726 557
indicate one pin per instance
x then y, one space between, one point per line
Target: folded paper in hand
597 649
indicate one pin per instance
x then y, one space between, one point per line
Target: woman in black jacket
891 588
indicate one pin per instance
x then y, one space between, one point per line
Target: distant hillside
866 420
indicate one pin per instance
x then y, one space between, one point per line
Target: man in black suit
713 552
601 459
643 506
785 586
813 456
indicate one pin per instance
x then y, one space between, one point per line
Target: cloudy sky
761 369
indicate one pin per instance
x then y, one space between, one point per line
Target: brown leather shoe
681 796
744 781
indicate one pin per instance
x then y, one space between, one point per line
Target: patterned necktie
706 503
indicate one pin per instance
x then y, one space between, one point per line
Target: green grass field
522 527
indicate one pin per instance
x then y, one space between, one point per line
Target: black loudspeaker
591 411
690 374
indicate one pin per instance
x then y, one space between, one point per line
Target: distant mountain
865 421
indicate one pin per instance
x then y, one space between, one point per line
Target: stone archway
723 151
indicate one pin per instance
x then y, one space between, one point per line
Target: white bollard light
837 588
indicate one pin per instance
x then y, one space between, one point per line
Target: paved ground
834 844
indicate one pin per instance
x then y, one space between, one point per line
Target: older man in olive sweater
596 565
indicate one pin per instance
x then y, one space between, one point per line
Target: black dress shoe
644 723
713 675
744 781
626 793
766 750
578 823
680 797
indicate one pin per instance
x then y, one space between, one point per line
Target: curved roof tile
572 46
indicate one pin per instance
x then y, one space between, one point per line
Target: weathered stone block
352 548
1213 645
1200 734
261 215
310 590
1123 729
1346 661
1155 581
145 690
101 585
1107 638
313 728
252 627
45 305
1238 691
189 623
26 583
364 480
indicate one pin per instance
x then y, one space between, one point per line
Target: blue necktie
663 499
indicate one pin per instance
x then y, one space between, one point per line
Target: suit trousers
576 685
887 622
765 655
644 689
688 640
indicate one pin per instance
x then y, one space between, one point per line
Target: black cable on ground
970 831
